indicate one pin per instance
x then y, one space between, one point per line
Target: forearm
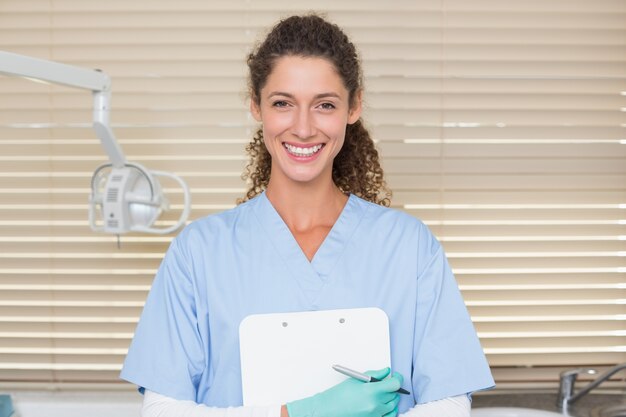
459 406
156 405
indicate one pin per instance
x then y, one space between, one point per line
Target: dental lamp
125 196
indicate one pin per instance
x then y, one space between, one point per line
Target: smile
302 152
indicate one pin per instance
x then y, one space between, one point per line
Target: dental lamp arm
130 198
101 108
87 79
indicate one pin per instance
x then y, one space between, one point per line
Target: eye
327 106
280 103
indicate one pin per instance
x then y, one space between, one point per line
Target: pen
361 377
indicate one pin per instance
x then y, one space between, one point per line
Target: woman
312 234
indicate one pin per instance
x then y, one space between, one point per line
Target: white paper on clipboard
287 356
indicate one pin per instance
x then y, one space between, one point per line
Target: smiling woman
310 237
328 70
304 108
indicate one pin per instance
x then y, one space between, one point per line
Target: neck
304 205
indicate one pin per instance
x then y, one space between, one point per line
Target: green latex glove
353 398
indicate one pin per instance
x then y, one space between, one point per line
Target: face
304 108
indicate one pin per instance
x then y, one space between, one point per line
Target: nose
303 126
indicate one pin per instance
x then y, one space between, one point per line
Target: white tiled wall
76 404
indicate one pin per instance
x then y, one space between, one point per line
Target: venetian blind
501 124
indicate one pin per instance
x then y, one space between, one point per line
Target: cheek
275 124
274 132
334 128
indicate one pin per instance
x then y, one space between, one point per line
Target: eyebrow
317 96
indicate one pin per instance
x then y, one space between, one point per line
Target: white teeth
298 151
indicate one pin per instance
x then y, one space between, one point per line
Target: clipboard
288 356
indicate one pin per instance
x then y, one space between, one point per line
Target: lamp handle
186 207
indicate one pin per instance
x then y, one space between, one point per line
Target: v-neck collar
311 275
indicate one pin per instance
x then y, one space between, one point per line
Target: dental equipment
125 196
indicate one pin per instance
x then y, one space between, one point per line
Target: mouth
302 152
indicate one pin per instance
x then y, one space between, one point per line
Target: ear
255 109
357 107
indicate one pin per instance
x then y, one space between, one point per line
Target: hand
353 398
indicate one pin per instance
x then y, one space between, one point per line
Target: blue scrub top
245 261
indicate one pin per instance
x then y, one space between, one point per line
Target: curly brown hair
356 169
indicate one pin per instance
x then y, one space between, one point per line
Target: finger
392 413
391 408
399 377
388 385
379 373
392 397
387 397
